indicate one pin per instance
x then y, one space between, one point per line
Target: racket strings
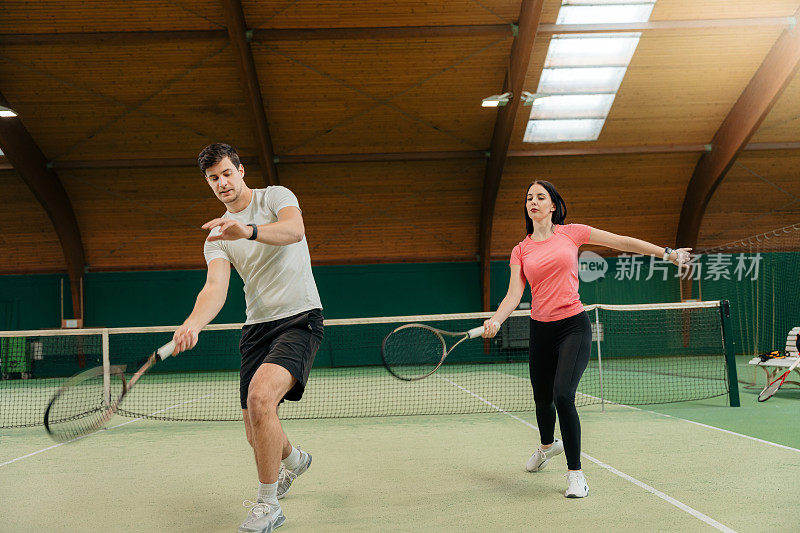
82 407
413 352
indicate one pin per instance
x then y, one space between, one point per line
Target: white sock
292 462
268 493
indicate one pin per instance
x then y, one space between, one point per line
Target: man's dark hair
214 153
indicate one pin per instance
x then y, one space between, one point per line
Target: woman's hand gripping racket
774 385
82 405
415 351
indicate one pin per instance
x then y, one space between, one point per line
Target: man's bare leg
269 385
263 428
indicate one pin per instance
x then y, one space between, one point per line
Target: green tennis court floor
646 472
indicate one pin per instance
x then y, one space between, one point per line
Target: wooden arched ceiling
741 123
120 99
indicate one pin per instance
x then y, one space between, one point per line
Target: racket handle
166 350
475 332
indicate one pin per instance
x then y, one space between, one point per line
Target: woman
560 331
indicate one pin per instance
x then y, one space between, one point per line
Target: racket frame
765 394
112 406
440 333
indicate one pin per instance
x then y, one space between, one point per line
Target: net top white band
345 321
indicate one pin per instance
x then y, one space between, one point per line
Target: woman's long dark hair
561 208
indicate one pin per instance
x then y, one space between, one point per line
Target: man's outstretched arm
209 302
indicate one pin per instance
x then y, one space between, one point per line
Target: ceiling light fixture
6 112
496 100
529 98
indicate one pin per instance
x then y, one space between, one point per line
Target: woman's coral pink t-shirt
551 268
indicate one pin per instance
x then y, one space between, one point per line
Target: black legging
559 353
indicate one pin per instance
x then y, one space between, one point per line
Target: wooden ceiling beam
743 120
386 32
264 34
521 50
239 36
283 160
96 37
611 150
410 156
27 159
391 156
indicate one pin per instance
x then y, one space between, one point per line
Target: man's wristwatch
254 236
667 252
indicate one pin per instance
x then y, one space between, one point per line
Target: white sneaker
541 456
263 518
286 476
576 485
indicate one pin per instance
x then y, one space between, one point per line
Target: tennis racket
83 404
415 351
773 386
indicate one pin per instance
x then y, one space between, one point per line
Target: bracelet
254 236
667 252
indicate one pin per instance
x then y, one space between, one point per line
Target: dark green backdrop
117 299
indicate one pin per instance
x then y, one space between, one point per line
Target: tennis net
641 354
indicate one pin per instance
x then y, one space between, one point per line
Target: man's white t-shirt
278 281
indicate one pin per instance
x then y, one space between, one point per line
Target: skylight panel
583 72
602 12
598 50
572 106
581 80
563 130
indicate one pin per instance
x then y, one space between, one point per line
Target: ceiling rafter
300 159
263 34
385 32
521 50
741 123
239 37
31 164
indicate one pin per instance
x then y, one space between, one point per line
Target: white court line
707 426
669 499
37 452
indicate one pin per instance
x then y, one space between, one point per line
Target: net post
106 370
730 354
599 357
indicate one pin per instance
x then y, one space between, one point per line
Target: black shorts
289 342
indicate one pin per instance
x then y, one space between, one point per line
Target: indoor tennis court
375 159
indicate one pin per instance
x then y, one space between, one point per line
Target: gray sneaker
286 476
540 457
263 518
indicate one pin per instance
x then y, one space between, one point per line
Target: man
263 236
